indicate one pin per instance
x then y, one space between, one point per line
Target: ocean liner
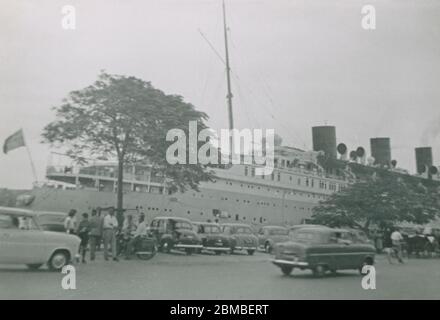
287 196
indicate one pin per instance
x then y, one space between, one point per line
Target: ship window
188 212
253 172
237 217
246 171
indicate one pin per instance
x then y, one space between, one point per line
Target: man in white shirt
396 238
141 230
110 224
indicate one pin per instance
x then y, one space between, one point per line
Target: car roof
205 223
54 213
17 211
172 218
298 226
325 229
235 225
274 227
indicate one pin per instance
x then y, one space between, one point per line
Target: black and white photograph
236 151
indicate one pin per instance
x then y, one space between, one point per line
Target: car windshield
278 232
246 230
211 229
309 237
51 219
183 225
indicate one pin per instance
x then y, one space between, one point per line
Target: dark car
51 221
213 238
268 236
175 233
322 249
242 236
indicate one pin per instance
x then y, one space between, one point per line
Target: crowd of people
103 228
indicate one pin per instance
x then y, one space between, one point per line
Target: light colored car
23 241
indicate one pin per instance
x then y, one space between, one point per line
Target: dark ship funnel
423 159
381 151
324 139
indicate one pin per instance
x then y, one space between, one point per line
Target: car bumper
188 246
245 248
213 248
282 262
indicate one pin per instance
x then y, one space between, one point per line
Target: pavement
177 276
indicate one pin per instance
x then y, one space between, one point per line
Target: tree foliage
125 118
381 201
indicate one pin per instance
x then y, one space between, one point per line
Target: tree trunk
120 192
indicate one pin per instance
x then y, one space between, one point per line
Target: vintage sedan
213 239
268 236
23 241
323 249
175 233
242 237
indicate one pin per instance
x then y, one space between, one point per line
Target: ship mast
228 80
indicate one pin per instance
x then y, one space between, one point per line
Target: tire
251 252
218 253
147 256
166 246
189 251
367 262
58 260
286 270
34 266
319 270
268 248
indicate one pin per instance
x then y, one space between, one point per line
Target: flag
14 141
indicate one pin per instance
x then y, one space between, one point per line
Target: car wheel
286 270
58 260
218 253
166 246
319 270
367 262
34 266
268 248
250 252
189 251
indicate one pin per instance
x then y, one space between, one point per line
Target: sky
295 64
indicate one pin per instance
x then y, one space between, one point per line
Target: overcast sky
296 64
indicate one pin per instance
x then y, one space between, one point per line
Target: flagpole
34 172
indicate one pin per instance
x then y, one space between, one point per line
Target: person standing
397 240
70 222
95 233
83 233
109 227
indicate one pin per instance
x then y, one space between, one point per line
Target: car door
6 251
29 243
261 237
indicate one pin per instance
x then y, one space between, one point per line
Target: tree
125 118
381 201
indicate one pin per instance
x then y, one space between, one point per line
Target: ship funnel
381 151
423 159
324 139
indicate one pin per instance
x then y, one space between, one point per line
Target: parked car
268 236
23 241
242 237
175 233
51 221
212 236
323 249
